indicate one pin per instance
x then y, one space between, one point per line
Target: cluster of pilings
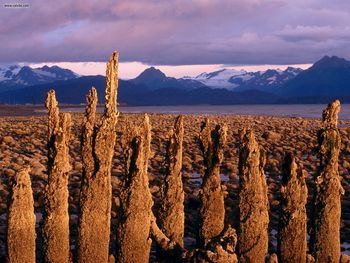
137 225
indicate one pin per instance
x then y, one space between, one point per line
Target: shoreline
304 111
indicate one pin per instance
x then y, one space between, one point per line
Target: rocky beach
23 143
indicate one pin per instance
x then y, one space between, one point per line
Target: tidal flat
23 143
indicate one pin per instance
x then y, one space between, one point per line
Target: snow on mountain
15 76
220 78
8 71
232 79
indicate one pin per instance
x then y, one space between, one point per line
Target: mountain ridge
16 76
327 79
240 80
329 76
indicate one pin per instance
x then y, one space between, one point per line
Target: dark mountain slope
329 77
74 92
155 79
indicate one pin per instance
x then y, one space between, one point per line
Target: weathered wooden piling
135 214
292 244
212 211
55 227
97 145
253 202
171 216
20 232
325 239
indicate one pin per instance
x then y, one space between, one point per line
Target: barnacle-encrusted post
212 211
20 230
55 228
327 208
135 214
292 245
171 216
97 144
253 202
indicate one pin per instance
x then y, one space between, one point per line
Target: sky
181 37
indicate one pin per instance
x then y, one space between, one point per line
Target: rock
271 136
8 140
344 258
78 166
310 259
38 170
273 259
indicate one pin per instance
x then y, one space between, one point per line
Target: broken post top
147 137
330 115
289 167
212 141
111 85
251 154
51 102
178 127
22 179
91 102
53 112
249 142
204 136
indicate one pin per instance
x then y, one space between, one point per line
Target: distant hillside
328 77
74 92
155 79
71 91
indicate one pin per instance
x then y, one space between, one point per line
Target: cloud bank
177 32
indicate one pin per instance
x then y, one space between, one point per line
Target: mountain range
15 76
238 80
325 80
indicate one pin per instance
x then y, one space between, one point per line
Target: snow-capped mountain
16 76
232 79
7 72
221 78
153 79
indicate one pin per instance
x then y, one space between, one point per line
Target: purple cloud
177 32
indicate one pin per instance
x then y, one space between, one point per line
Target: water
294 110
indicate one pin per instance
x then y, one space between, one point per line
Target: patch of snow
2 77
201 76
44 73
220 78
4 68
271 79
20 81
